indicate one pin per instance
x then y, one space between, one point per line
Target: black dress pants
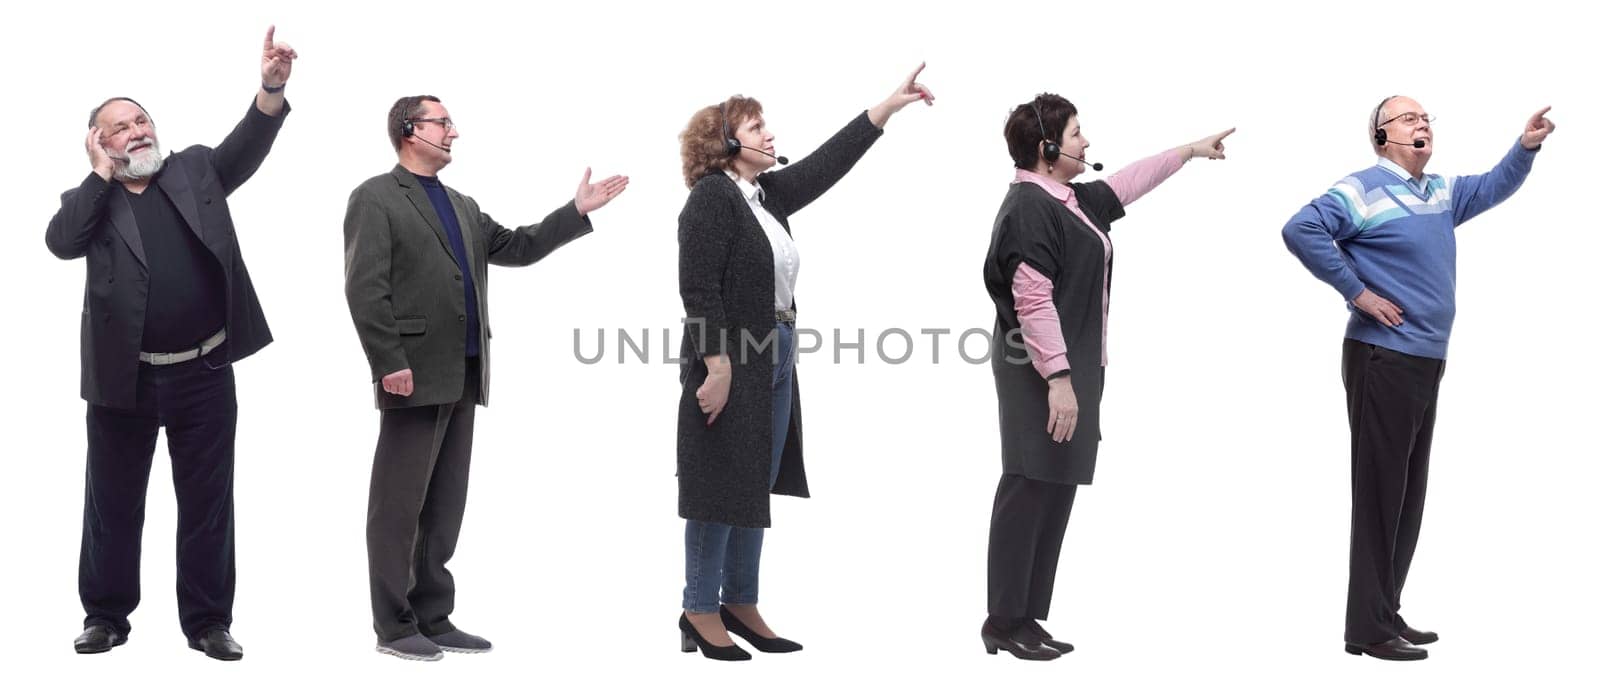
1025 534
1392 397
196 404
414 510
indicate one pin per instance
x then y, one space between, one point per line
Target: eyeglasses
1410 118
446 122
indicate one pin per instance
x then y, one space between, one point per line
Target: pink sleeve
1041 327
1143 175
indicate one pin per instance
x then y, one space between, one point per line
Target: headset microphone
1095 166
1382 138
425 141
780 159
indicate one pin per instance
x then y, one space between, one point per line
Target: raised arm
1474 194
795 187
241 153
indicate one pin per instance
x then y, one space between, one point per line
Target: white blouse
785 255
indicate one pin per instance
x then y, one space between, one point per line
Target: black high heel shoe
1044 636
766 645
997 637
689 638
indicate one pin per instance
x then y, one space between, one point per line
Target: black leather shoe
1397 649
766 645
1015 639
1416 636
690 639
218 644
98 639
1038 630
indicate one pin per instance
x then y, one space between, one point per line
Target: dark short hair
94 114
1028 122
701 145
405 109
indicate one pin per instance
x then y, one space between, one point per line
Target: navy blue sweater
452 229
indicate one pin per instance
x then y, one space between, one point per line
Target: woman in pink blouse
1049 273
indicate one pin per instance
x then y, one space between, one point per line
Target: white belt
206 347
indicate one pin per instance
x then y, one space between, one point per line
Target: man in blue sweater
1384 237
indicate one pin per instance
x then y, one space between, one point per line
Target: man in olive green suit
416 256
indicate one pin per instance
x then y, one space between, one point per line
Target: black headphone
1052 149
730 144
407 128
1380 136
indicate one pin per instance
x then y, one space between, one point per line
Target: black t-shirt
186 302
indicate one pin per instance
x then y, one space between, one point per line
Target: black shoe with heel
766 645
1044 636
1016 640
690 639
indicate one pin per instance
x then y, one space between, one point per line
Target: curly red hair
701 142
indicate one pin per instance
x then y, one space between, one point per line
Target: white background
1213 544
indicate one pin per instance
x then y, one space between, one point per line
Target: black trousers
1025 533
414 510
1391 398
196 403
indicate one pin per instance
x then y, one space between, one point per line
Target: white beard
141 164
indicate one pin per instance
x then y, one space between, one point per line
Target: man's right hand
99 158
398 383
1379 308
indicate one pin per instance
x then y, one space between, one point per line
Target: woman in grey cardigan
739 415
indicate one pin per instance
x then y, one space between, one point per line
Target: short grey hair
1372 121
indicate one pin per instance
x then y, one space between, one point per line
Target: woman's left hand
1209 147
909 91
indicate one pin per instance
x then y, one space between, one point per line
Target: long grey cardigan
725 276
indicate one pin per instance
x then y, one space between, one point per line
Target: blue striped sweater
1380 229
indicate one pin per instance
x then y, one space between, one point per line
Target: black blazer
405 290
725 277
96 222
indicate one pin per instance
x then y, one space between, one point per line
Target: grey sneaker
458 642
411 648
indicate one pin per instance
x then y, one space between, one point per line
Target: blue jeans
720 556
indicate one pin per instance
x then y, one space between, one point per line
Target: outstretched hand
593 196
